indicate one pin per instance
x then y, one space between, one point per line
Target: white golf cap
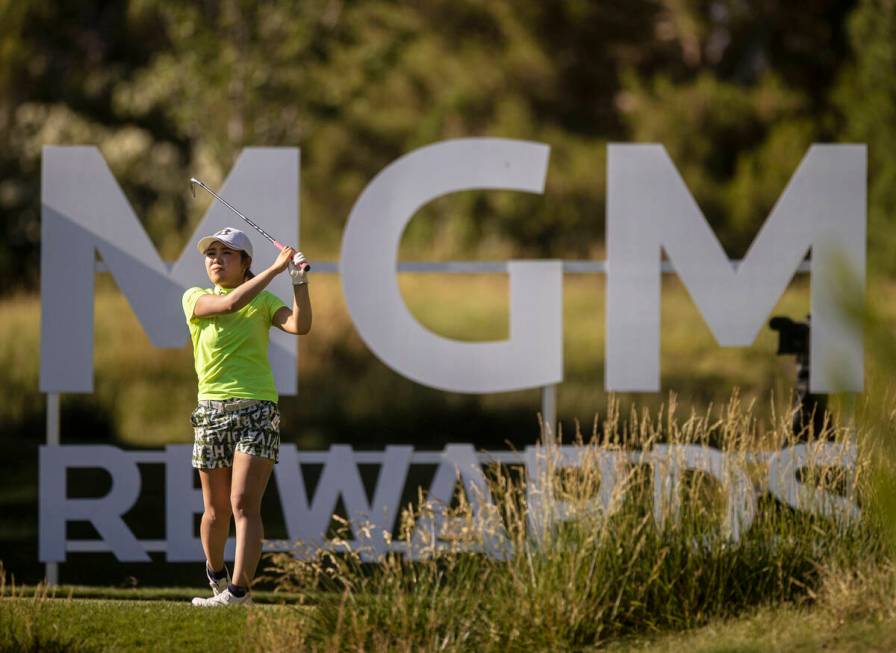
233 238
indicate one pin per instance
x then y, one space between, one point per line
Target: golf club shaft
276 243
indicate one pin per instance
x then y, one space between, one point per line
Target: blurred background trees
735 90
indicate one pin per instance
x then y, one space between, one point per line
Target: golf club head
193 183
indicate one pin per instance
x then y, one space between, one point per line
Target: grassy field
780 630
78 618
114 625
850 608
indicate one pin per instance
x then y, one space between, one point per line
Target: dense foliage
736 91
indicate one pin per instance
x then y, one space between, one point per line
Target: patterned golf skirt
223 427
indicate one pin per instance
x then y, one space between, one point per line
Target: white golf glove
297 271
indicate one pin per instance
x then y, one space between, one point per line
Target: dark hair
243 257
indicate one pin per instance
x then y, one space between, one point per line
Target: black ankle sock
217 575
236 590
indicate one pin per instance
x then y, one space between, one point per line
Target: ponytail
245 257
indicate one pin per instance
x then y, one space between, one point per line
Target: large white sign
373 521
649 209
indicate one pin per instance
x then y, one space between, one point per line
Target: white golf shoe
218 585
223 600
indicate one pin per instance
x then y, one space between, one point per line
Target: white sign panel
822 210
307 517
649 209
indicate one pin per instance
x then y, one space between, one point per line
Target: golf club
276 243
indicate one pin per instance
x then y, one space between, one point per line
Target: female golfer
237 423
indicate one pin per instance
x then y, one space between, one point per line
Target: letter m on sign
649 209
85 213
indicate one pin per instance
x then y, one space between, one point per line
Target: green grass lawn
784 629
117 625
128 625
81 618
174 594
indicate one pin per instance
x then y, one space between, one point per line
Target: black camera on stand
810 410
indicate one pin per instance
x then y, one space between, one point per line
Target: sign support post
52 568
548 414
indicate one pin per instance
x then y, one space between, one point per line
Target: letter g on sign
533 355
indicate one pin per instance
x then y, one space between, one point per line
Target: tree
866 97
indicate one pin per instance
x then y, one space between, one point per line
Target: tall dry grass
23 626
609 568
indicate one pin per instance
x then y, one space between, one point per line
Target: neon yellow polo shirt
231 351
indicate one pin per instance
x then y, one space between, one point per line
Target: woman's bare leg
250 478
216 517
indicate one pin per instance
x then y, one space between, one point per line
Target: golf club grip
280 246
